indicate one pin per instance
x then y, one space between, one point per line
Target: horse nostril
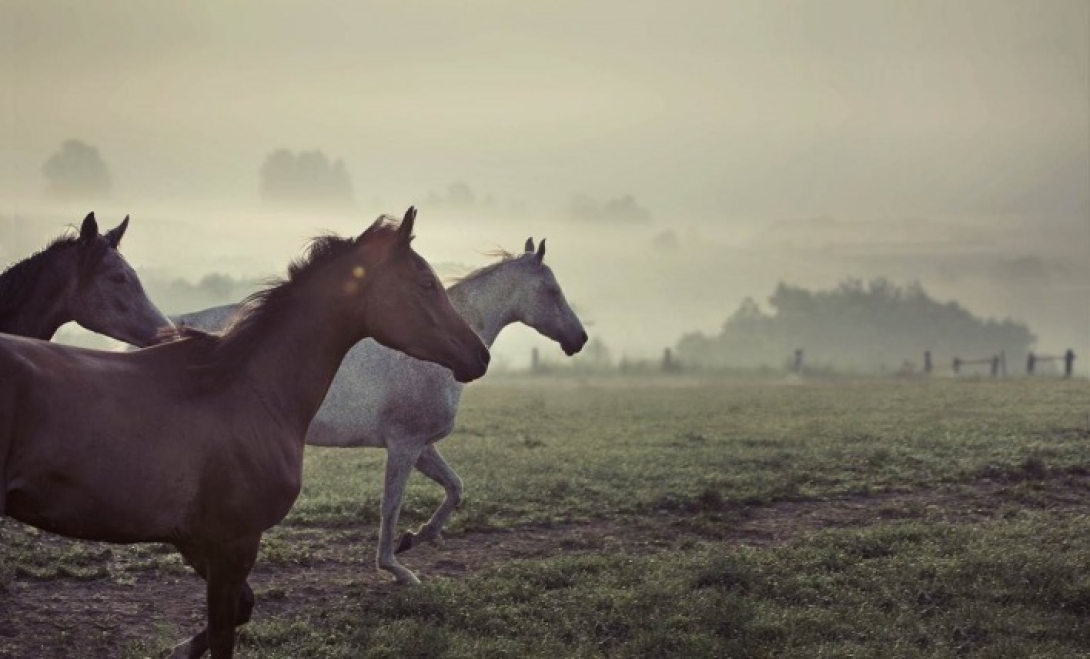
486 356
583 337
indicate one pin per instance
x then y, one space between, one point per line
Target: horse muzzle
477 368
573 347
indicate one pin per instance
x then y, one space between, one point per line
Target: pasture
648 517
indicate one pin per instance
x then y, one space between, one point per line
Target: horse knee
245 605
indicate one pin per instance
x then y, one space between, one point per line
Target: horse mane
16 282
503 257
259 312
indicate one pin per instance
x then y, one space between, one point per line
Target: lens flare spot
357 272
350 287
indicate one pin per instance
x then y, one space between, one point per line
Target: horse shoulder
14 362
24 361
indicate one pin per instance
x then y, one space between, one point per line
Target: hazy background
679 157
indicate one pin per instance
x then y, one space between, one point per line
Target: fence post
1069 362
995 365
534 363
1031 361
957 365
927 362
798 360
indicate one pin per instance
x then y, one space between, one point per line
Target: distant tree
217 286
307 178
623 209
459 196
178 294
76 171
667 241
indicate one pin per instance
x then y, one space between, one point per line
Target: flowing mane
260 311
503 257
16 282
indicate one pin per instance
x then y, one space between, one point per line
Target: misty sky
900 130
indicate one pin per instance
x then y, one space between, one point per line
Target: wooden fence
1068 358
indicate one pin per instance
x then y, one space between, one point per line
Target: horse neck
291 360
486 302
43 307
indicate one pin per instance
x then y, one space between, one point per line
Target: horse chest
254 490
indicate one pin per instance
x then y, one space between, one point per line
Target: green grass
554 454
917 580
1016 588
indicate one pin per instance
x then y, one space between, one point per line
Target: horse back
122 447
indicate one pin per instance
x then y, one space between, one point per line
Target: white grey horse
381 397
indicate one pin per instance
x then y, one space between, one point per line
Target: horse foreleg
431 464
228 568
399 465
195 647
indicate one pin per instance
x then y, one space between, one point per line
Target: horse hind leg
431 464
195 647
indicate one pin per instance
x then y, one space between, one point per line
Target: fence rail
1068 358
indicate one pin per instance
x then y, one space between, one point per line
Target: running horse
198 442
387 399
80 278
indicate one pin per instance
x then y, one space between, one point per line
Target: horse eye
429 284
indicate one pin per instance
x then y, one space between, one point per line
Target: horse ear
529 245
540 256
88 231
114 235
405 231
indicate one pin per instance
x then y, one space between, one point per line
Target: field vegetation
646 518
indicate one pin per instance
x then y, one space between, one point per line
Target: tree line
857 326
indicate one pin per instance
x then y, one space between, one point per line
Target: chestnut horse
199 442
383 398
83 279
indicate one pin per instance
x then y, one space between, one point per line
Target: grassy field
646 518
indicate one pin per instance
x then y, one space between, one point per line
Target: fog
678 157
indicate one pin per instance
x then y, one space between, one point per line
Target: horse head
540 302
108 297
403 305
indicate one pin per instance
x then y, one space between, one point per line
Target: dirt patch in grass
141 612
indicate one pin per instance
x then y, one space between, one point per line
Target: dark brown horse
199 442
83 279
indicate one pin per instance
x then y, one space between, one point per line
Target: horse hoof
406 542
181 651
